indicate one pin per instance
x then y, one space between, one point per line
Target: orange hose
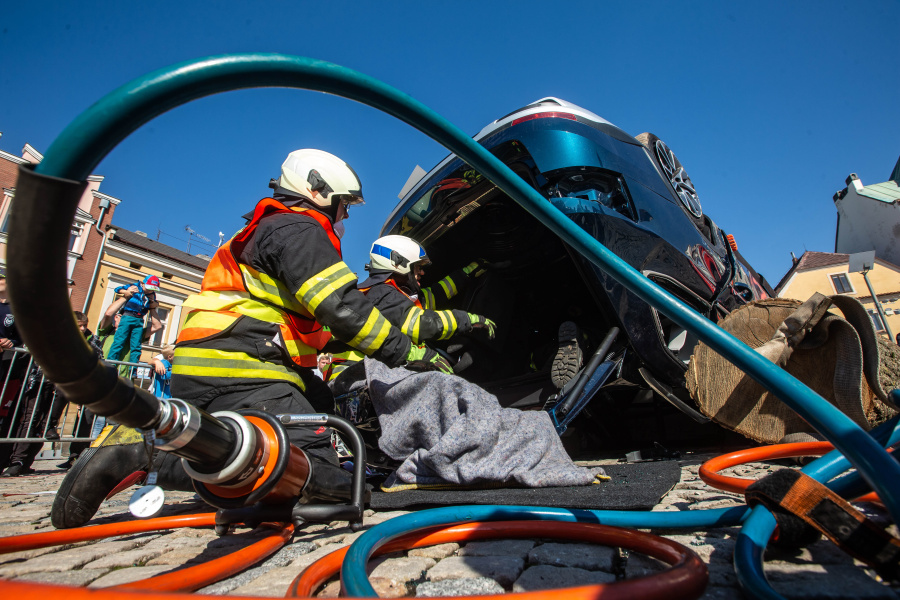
204 574
31 541
184 580
686 579
40 591
709 471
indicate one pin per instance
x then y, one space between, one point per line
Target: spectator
12 370
39 416
35 413
162 364
323 362
139 300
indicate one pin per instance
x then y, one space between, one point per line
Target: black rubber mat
634 486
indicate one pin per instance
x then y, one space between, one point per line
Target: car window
603 188
462 179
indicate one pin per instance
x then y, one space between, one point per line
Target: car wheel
674 172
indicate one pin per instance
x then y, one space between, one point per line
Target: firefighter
271 298
396 267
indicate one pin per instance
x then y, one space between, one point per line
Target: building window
841 283
74 235
157 338
876 320
4 208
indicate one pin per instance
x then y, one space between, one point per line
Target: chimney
853 179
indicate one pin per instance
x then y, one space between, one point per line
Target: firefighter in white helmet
395 270
271 298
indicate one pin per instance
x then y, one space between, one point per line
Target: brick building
93 215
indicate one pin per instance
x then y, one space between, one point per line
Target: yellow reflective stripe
373 333
447 284
296 347
239 302
449 322
351 357
203 362
411 323
323 284
428 298
271 290
208 320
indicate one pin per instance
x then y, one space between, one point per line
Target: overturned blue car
634 196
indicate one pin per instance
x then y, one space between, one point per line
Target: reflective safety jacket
414 315
265 298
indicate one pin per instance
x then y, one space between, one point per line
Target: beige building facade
828 273
131 256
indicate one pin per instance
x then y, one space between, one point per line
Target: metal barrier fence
27 397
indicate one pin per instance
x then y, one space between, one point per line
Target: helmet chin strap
290 198
413 283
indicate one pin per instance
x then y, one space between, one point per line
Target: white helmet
308 170
396 253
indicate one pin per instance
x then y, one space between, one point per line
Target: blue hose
760 524
92 135
353 572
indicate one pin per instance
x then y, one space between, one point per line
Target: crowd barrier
27 395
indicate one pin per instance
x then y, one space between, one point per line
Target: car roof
542 105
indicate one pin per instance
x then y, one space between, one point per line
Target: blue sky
769 105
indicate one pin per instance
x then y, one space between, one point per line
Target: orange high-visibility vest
302 334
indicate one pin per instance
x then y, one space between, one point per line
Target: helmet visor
348 199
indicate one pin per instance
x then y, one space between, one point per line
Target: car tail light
545 115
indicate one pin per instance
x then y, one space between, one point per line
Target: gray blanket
447 430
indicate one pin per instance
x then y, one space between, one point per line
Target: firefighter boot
116 460
569 355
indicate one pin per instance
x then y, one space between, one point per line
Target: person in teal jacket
141 299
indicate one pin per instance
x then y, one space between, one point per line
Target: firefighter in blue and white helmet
396 267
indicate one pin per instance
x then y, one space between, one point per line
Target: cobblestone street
485 567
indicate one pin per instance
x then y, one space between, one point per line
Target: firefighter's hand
5 343
476 268
423 358
481 322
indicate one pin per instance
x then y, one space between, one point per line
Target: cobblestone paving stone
483 567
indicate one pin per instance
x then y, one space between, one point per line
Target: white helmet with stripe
396 253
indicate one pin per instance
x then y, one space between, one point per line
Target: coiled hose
47 197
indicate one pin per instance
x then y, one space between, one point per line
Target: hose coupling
178 424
